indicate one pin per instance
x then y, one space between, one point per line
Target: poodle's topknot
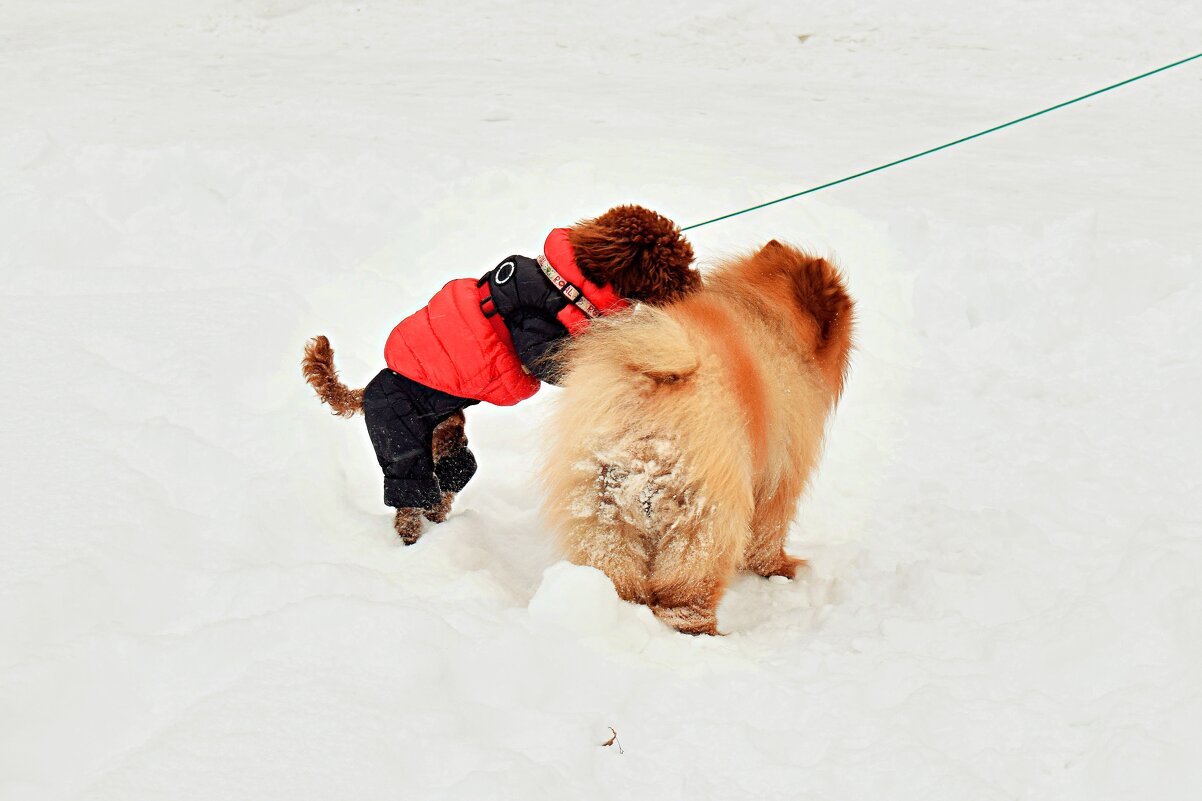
641 254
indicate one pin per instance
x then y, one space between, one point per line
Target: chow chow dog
686 434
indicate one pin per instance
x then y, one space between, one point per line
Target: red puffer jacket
452 346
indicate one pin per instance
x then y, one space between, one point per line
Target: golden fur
686 434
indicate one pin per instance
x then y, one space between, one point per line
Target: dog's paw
408 524
439 511
688 619
786 566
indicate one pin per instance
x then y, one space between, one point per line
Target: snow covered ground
201 595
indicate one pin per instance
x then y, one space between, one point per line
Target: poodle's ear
641 254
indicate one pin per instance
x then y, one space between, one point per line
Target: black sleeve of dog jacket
528 303
535 338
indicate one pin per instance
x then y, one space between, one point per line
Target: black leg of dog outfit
401 417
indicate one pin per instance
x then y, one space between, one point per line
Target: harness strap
489 308
569 290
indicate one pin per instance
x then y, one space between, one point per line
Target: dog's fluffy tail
318 367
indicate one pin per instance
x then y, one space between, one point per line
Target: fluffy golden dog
686 434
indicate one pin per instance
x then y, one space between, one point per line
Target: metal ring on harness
504 273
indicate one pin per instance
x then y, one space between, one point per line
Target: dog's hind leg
438 512
598 533
765 554
691 567
408 524
454 464
618 552
641 518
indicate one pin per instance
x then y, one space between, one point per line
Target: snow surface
201 595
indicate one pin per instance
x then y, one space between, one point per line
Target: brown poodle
494 340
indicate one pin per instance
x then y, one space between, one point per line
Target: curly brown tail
318 367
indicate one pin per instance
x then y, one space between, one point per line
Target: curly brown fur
439 511
641 254
449 436
685 435
318 367
449 439
408 524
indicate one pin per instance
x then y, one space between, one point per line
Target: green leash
942 147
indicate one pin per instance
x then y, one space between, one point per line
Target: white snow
201 595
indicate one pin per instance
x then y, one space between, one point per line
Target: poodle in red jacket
494 340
